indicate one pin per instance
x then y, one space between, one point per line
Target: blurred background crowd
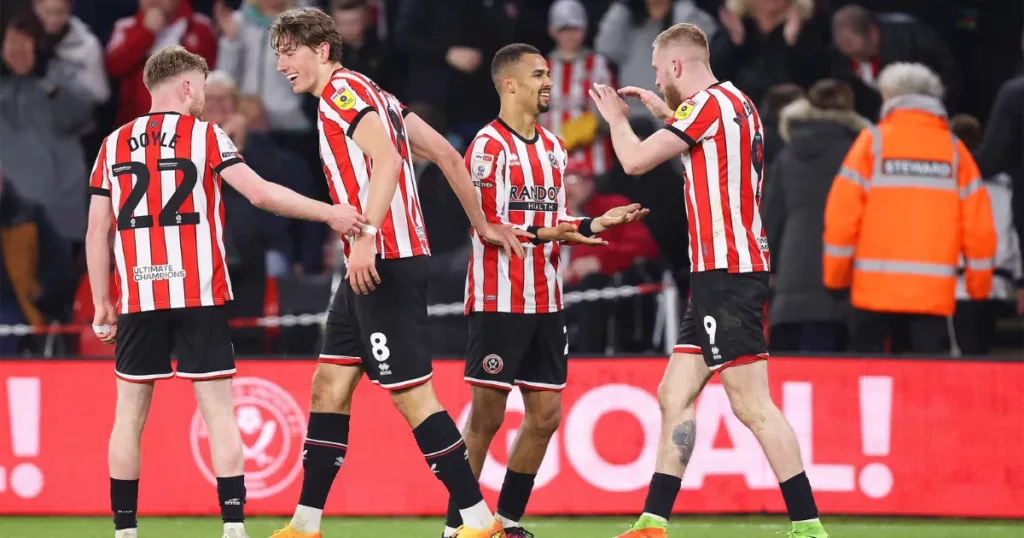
72 71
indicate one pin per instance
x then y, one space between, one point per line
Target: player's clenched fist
104 323
345 220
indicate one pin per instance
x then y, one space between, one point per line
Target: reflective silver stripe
839 252
942 184
974 186
854 177
907 268
980 264
956 155
876 149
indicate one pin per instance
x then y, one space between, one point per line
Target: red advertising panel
878 437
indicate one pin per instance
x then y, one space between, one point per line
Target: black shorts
385 331
724 320
199 336
529 350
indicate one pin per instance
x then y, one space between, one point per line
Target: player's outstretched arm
283 201
97 259
636 157
429 144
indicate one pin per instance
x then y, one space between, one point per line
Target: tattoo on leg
684 436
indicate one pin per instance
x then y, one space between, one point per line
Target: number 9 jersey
160 172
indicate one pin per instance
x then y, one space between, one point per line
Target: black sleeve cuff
584 228
99 192
406 112
685 137
355 121
536 238
226 163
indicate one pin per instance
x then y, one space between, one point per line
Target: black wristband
584 228
536 238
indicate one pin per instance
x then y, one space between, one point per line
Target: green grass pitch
682 527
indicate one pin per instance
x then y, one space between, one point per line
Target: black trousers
907 333
974 325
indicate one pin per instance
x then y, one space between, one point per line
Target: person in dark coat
867 43
819 131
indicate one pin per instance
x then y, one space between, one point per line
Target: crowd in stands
72 71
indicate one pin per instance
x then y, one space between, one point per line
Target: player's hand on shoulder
345 220
618 216
608 102
506 237
655 104
104 323
362 264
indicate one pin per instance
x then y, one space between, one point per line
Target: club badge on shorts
493 364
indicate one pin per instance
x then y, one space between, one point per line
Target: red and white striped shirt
723 171
518 182
161 172
345 100
571 81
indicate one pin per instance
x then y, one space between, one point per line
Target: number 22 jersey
161 174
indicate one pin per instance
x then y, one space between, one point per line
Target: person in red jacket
157 24
594 267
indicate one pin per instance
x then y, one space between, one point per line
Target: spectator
251 232
157 24
36 277
818 132
768 42
591 267
77 52
245 55
1002 148
362 50
868 44
43 113
905 204
573 69
449 44
627 34
974 323
777 98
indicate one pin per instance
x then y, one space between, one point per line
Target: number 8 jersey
160 173
344 101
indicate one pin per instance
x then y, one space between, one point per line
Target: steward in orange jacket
906 203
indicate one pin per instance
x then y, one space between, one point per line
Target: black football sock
442 445
231 493
661 496
454 518
124 502
515 494
323 453
799 499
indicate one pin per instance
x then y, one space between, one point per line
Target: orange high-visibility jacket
906 203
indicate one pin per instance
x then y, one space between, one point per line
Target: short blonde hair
903 78
685 34
170 62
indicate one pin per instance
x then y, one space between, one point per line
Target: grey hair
221 78
899 79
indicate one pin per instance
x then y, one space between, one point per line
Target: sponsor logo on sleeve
685 109
482 165
344 98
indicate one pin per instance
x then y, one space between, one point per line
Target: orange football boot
649 532
495 531
290 532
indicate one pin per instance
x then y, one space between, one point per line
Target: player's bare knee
330 393
752 412
545 421
671 400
